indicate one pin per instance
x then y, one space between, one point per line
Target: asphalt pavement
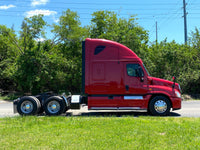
189 109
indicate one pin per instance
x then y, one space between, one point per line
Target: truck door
135 85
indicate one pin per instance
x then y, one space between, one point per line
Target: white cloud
38 2
7 6
40 11
40 39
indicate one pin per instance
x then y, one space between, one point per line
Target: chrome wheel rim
27 107
53 107
160 106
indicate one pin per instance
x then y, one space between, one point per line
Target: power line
95 3
147 14
139 18
166 20
165 12
105 4
91 8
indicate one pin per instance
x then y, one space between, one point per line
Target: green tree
69 36
167 59
30 65
8 54
32 29
108 25
194 40
30 62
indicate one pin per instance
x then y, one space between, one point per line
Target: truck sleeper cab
113 78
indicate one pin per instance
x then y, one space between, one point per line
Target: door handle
127 87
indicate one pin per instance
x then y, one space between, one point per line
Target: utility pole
185 20
156 32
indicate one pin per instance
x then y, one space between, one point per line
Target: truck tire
159 106
54 105
28 105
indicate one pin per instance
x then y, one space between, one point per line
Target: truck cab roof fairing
124 52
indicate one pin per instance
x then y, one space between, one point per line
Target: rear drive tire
28 105
54 105
159 106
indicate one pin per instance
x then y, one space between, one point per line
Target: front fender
168 91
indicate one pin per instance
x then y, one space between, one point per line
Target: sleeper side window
134 70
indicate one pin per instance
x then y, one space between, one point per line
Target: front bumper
176 103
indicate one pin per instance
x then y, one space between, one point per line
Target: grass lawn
99 133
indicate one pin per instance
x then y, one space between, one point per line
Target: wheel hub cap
160 106
53 107
27 107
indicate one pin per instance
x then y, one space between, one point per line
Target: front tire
54 105
159 106
28 105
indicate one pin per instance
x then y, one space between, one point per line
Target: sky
167 13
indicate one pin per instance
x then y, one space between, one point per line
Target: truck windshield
146 70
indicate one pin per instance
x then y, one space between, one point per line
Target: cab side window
134 70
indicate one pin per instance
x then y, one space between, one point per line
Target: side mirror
139 73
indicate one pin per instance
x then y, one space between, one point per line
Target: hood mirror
174 80
140 73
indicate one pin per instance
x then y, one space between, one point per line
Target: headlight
178 94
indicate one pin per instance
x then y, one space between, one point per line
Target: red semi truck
113 78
